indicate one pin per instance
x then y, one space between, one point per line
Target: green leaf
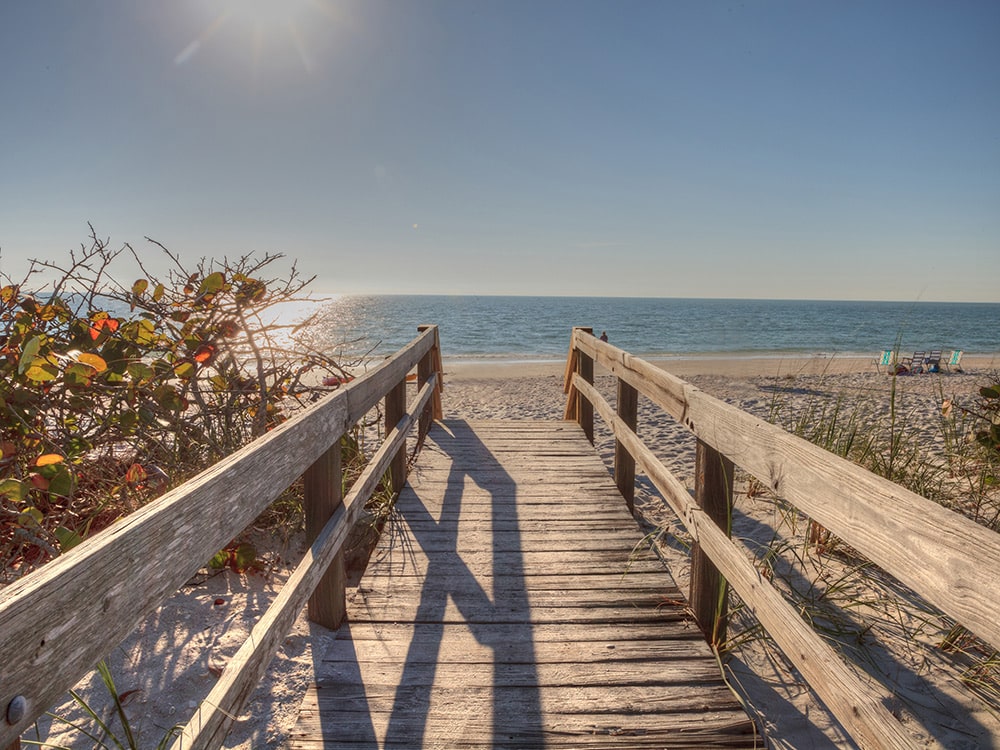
127 421
61 483
184 369
77 446
68 538
169 398
29 352
219 560
78 374
990 391
14 489
30 518
212 283
141 332
244 557
158 293
140 371
42 370
139 287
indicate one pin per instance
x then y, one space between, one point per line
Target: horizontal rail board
215 715
956 558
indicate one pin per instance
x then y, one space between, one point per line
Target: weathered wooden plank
651 583
458 644
491 618
611 542
634 700
462 720
391 632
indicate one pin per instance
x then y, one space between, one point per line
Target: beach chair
933 361
954 363
911 365
885 360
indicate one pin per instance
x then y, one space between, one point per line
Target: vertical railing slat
395 408
713 493
628 406
585 409
323 494
425 368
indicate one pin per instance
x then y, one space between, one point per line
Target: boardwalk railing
944 557
58 622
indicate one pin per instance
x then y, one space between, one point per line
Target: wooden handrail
216 714
888 524
58 622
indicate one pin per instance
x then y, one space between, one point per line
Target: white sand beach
173 659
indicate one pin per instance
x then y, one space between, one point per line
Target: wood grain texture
57 623
956 558
322 495
512 604
628 407
713 493
211 721
860 704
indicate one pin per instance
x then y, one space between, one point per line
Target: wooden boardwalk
510 604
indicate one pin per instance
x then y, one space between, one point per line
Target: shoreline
730 365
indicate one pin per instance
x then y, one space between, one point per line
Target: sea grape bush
113 391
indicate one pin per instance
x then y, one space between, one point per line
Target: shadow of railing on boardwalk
494 623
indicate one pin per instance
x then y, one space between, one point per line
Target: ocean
538 328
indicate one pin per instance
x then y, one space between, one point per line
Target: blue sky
829 150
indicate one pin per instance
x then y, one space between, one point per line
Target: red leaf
204 353
135 474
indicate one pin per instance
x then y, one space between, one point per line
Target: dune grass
947 457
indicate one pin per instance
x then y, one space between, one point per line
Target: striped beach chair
885 360
954 363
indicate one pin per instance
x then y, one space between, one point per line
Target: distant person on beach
604 335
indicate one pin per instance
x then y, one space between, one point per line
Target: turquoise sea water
538 328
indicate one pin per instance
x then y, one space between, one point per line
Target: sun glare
261 26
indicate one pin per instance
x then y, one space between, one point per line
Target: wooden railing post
428 365
395 408
628 405
585 409
713 493
324 493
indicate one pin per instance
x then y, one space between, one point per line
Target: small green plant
957 467
101 731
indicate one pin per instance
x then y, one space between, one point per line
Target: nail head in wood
16 709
